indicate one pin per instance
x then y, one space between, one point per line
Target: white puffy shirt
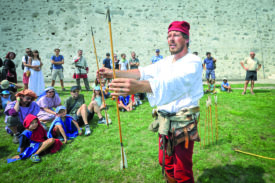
174 85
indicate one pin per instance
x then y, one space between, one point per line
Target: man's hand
105 73
124 87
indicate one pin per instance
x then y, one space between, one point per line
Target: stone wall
228 29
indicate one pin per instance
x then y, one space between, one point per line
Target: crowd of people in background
29 110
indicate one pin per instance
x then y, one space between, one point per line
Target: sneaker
243 93
87 131
15 139
60 138
101 121
35 158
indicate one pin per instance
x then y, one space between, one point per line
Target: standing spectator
157 57
107 61
47 102
36 81
116 60
252 66
123 64
25 60
210 63
134 62
81 70
1 64
17 111
9 68
57 68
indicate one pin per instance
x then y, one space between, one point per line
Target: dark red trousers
179 165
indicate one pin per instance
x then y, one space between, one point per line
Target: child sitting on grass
225 86
125 103
6 97
97 96
211 87
63 127
33 141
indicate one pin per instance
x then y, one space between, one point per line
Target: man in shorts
57 68
252 66
82 113
209 66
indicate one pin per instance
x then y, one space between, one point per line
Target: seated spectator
63 127
225 86
77 108
6 85
211 87
97 97
47 101
17 111
125 103
6 98
34 141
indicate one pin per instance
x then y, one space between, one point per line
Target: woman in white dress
36 81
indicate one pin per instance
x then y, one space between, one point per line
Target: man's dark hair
185 37
195 53
107 54
208 53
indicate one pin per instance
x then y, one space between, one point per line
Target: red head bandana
180 26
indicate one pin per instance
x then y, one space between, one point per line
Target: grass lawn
245 122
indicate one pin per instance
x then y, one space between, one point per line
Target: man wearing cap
77 108
17 111
210 67
57 61
174 85
252 66
156 57
81 70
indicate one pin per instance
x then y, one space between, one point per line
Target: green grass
245 122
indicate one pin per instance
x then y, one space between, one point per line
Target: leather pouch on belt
186 134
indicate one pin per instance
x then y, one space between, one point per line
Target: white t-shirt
123 65
174 85
24 60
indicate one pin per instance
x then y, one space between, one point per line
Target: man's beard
177 51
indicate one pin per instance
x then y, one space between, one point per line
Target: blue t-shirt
209 63
156 58
58 58
107 63
226 84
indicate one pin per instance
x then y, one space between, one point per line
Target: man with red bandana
174 85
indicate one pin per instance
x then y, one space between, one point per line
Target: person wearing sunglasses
17 111
49 100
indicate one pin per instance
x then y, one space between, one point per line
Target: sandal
35 158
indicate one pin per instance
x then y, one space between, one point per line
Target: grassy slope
245 122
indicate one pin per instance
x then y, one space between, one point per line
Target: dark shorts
80 120
251 75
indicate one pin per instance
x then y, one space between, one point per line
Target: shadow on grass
262 91
232 173
5 151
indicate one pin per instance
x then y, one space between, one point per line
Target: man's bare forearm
132 74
